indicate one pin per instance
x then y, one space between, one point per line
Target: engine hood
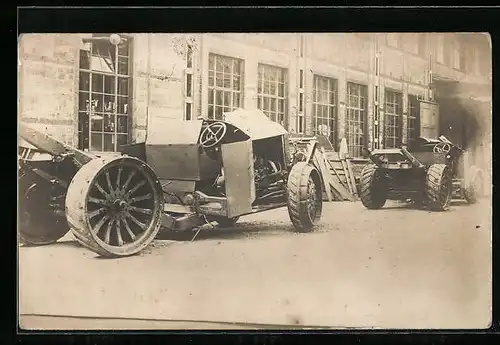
254 123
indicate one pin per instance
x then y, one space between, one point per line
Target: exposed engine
268 179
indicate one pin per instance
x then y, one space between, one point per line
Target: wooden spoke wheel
39 224
114 206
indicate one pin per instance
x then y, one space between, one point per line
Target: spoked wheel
114 206
39 224
305 197
438 187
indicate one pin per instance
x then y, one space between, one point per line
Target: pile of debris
334 167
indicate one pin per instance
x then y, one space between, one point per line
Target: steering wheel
213 134
441 148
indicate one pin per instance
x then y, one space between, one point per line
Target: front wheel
438 187
373 188
305 197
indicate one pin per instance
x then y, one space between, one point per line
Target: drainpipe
148 90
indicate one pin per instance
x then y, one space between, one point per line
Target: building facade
377 90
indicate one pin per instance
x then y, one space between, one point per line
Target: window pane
84 59
97 83
210 97
122 65
109 123
188 111
218 80
123 105
236 100
236 67
96 142
266 103
83 121
267 87
218 113
227 98
218 97
102 64
236 83
84 81
97 100
83 101
210 79
109 104
273 104
109 84
227 81
96 123
109 142
188 85
226 66
123 86
281 106
123 49
211 62
272 88
210 112
122 124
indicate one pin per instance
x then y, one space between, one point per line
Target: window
225 85
272 92
104 112
392 120
356 118
324 107
413 119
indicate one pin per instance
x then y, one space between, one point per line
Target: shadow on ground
239 231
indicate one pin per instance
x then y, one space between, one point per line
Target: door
429 120
237 162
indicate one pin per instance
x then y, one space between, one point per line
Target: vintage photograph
255 181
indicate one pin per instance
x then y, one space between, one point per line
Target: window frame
214 89
262 96
356 146
396 139
330 107
85 131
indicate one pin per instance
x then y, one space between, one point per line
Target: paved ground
393 268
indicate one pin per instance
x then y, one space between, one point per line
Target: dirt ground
393 268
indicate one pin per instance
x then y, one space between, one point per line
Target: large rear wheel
305 197
114 206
